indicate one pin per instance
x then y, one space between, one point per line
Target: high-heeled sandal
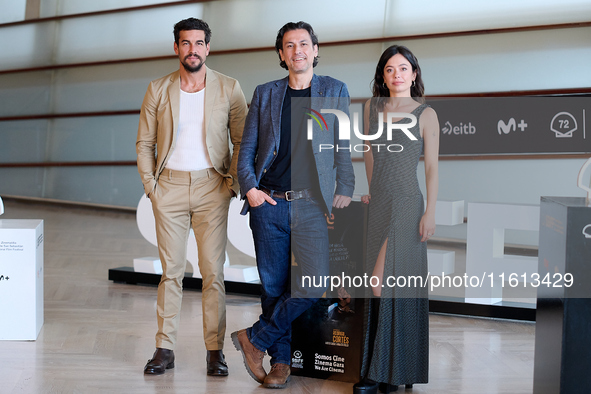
365 386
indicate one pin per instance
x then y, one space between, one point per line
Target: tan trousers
181 200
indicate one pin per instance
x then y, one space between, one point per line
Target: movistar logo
315 115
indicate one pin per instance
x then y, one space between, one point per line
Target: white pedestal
441 262
447 213
21 279
241 273
150 265
485 248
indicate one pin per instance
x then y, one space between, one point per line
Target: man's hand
344 295
256 197
341 201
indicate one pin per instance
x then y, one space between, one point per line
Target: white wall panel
12 10
428 16
23 141
255 68
25 181
485 63
497 181
344 19
249 69
552 59
254 23
115 185
119 36
120 186
67 7
48 8
114 87
353 64
25 94
512 181
24 46
93 139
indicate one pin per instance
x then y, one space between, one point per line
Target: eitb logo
345 130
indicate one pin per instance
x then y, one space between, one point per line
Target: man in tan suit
189 174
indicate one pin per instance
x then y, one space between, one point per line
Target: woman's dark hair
191 24
379 90
294 26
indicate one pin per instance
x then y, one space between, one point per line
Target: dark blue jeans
300 227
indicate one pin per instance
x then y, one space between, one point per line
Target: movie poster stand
327 339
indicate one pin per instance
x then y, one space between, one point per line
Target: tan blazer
225 111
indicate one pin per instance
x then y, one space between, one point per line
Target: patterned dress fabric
400 353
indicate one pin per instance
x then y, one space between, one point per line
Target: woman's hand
365 199
427 227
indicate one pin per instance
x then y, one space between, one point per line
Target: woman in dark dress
396 341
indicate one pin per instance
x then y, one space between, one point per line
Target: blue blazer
262 130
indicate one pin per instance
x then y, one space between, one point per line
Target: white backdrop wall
12 10
529 60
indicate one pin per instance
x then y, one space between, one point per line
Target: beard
192 69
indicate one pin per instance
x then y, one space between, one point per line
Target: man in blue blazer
291 180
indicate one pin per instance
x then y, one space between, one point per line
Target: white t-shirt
190 150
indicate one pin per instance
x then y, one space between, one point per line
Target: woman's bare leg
378 269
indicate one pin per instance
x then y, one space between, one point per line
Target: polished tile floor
98 335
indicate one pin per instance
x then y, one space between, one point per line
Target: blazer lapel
317 100
174 98
317 87
212 91
277 97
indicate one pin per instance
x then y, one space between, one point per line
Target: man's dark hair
192 24
294 26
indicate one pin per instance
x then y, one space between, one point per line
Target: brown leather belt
289 195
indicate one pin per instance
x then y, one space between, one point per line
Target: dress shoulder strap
419 110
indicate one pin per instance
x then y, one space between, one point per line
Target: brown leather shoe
162 360
253 357
216 363
278 376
